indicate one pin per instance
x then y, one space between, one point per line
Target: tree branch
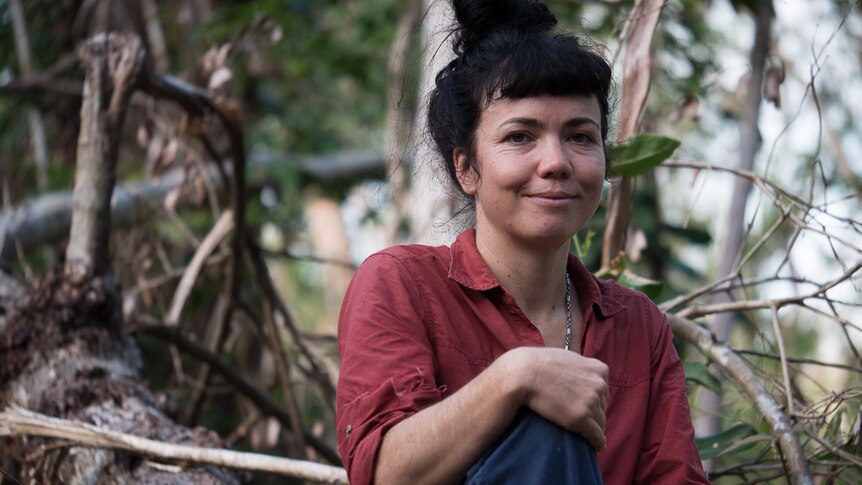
635 87
221 229
47 219
737 368
21 422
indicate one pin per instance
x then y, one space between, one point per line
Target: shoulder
400 269
408 257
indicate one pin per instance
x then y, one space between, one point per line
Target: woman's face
541 167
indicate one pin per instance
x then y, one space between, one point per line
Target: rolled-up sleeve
388 367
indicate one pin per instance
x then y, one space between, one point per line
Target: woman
501 357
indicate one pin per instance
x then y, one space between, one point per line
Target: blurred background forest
269 146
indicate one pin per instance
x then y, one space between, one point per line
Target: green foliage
728 441
617 270
698 373
582 249
641 153
323 85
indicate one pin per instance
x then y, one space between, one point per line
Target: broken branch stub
112 65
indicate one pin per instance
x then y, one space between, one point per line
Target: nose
556 161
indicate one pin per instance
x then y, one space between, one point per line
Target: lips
553 194
552 198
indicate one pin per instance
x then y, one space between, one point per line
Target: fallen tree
65 350
46 219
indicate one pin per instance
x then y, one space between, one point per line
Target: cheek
593 173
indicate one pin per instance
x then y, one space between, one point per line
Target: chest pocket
626 351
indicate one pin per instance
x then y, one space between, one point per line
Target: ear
467 175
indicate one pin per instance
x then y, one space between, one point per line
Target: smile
551 199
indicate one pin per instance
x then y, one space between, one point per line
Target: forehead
548 110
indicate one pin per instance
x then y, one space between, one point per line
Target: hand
565 388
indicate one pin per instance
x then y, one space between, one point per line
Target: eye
518 138
582 137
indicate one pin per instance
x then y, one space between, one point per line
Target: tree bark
635 87
112 64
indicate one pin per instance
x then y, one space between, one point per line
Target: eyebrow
536 123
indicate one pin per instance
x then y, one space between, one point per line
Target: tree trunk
64 349
47 219
709 404
329 240
430 206
637 65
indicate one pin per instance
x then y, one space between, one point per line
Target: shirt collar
469 269
467 266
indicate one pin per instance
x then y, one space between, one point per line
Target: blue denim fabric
535 451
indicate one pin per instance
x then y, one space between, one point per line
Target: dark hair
506 49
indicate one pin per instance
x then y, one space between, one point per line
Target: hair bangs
560 69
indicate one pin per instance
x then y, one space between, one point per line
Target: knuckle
604 370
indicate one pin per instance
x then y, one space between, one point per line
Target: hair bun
479 18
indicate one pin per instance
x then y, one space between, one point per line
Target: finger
593 433
598 415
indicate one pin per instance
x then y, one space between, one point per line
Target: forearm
441 442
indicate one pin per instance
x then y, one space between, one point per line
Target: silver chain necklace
568 311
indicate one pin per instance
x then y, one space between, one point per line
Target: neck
532 274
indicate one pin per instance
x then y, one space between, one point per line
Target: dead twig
261 398
221 229
318 371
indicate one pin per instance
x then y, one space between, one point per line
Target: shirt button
349 429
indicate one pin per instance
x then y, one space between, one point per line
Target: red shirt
419 322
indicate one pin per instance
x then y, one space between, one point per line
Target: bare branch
737 368
696 311
779 336
221 229
318 370
800 360
274 341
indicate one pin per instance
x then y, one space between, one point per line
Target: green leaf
834 427
699 373
712 446
650 288
691 234
581 249
641 153
618 271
